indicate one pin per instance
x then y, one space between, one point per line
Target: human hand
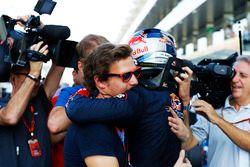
182 161
22 20
205 109
178 127
184 81
36 66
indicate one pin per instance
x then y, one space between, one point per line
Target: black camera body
211 78
16 51
14 45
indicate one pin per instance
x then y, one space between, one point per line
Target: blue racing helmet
151 50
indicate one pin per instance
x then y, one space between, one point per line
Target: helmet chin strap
160 80
164 78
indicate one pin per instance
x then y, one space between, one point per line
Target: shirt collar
227 104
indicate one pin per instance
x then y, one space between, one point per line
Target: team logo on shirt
121 96
176 105
82 92
175 102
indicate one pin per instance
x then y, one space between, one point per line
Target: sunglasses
128 75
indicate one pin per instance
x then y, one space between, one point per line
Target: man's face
240 85
79 75
115 84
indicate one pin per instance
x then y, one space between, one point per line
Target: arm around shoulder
58 120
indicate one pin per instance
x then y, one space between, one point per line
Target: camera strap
37 56
33 143
236 122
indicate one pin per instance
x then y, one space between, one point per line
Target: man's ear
79 65
74 75
100 85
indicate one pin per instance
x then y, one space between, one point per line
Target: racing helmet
151 50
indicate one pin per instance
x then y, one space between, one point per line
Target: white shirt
222 152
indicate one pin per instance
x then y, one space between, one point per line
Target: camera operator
25 138
228 128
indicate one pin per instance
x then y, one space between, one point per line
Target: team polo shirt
14 148
61 100
221 150
83 141
86 140
65 93
144 112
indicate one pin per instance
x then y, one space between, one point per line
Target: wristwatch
186 107
32 77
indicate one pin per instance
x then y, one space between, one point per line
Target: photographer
227 129
25 139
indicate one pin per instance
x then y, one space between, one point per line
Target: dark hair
88 44
99 62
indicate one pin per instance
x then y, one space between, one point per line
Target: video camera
211 78
14 44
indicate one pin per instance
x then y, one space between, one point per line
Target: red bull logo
140 50
175 102
175 105
135 40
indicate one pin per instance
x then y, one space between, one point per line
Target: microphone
53 32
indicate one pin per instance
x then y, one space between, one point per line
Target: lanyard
33 143
243 120
30 128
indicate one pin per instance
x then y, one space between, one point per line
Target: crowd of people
112 117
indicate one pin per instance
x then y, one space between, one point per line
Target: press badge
35 148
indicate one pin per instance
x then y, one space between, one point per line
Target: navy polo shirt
14 148
145 113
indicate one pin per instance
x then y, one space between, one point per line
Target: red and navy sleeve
121 109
